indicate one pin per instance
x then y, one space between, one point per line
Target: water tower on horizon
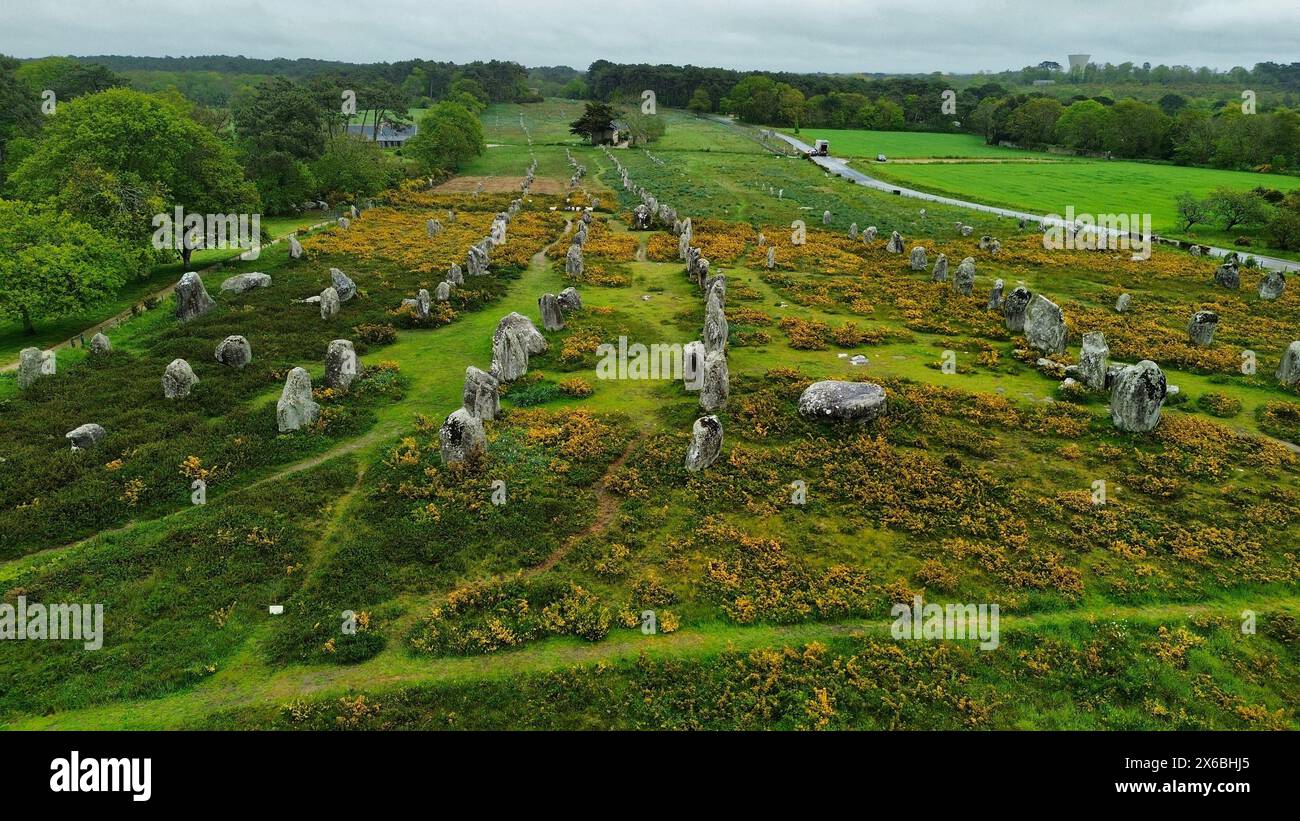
1078 62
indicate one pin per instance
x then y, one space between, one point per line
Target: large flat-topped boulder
842 401
240 283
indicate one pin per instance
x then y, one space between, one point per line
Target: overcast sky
796 35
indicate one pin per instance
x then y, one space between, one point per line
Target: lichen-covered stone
33 363
461 437
940 273
995 296
963 282
178 379
329 303
716 384
1136 396
234 351
917 260
99 344
343 285
842 401
1271 285
480 395
552 316
85 436
296 409
706 443
1201 328
570 300
1045 325
340 364
240 283
1013 309
1094 360
1288 372
192 298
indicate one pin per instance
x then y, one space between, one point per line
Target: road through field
840 168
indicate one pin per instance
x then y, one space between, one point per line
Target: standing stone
706 443
940 273
895 245
1201 328
869 235
192 298
178 379
509 354
573 261
240 283
715 327
995 297
442 293
33 363
917 262
1136 396
842 401
295 247
480 394
340 364
693 365
1121 304
966 230
344 223
85 436
296 408
552 316
1228 275
533 340
1093 360
964 280
716 384
1045 325
423 304
461 437
454 275
771 257
1013 308
1288 372
329 303
826 218
99 344
234 351
514 339
343 286
1272 285
853 230
432 228
570 300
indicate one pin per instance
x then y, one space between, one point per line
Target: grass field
908 144
974 487
1091 186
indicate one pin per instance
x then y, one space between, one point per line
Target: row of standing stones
462 436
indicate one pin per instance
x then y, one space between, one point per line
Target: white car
881 158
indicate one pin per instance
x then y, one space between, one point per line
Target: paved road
840 167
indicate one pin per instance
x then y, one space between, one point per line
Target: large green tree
53 266
142 143
449 135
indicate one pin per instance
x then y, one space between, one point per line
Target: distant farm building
390 136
